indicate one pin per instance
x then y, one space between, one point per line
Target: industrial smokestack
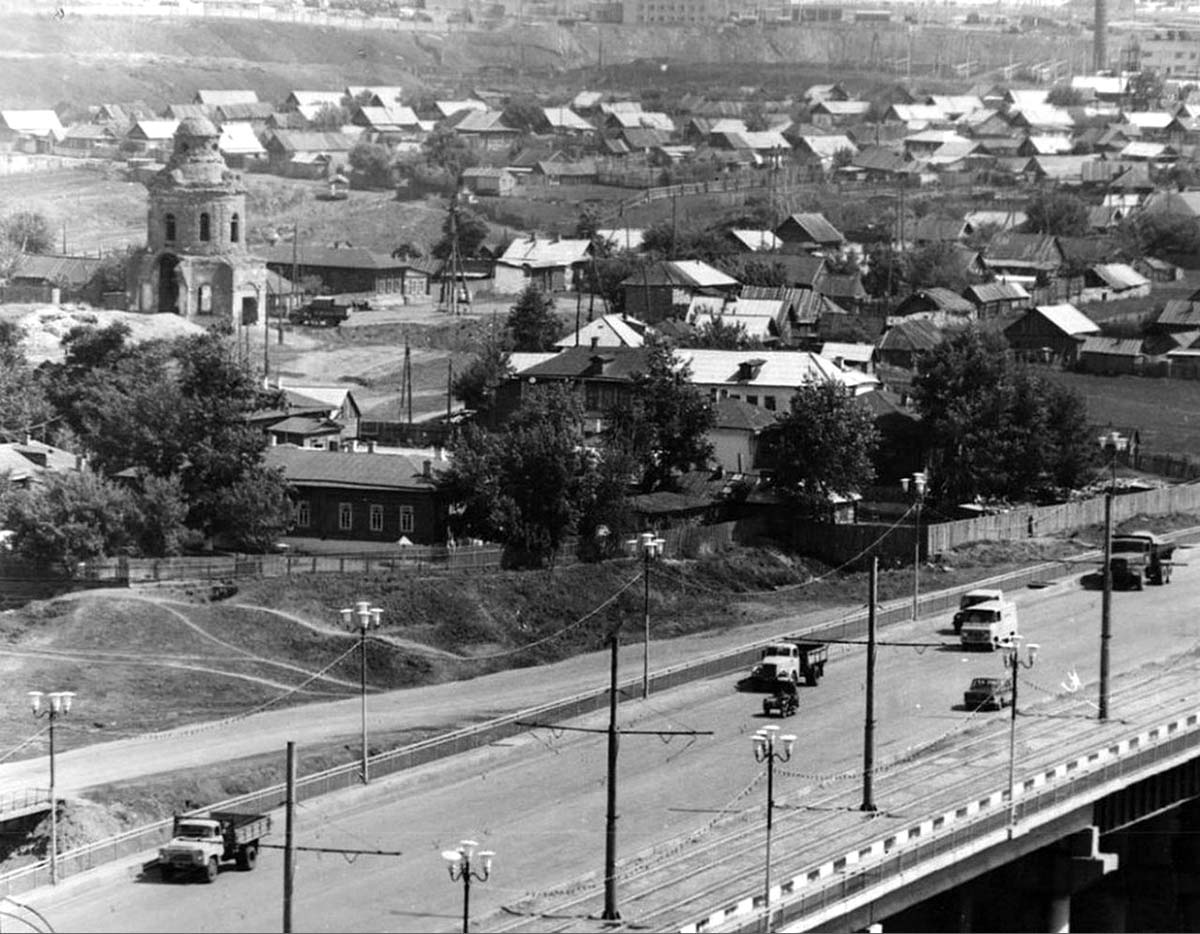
1100 50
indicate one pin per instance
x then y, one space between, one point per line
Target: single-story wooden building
359 496
348 269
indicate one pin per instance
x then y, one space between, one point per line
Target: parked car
996 693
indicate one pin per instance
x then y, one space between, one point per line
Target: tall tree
824 445
663 423
996 429
532 323
28 232
464 226
475 386
446 150
1058 213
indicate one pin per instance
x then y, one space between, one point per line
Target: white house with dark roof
1051 332
765 378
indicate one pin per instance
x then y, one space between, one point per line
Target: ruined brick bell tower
196 264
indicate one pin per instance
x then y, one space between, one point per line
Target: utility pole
408 381
1106 603
611 912
610 820
868 802
289 852
449 388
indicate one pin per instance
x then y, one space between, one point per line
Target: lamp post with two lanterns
368 617
765 742
1011 646
460 868
651 546
916 484
58 705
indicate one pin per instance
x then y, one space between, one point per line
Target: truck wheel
166 873
212 870
248 857
811 679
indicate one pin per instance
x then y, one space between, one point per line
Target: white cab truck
788 661
970 599
201 844
985 625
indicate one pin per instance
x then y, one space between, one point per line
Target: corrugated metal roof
542 253
1180 312
73 270
997 292
787 368
238 139
736 415
857 353
1068 319
609 331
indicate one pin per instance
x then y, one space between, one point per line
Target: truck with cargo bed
787 661
1140 558
201 844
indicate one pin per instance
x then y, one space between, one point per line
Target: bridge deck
952 790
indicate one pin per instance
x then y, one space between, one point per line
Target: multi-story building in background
1169 52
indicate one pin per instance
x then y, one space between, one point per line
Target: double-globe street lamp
58 704
461 869
368 618
769 747
1011 646
649 546
916 484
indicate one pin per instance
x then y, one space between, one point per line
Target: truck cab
973 598
779 662
1140 557
986 624
197 845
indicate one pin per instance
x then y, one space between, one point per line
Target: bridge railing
834 882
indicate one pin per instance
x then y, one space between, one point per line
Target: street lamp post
1011 646
460 870
917 484
765 741
58 705
1108 443
652 547
368 618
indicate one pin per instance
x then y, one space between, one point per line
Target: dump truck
326 311
1141 558
201 844
787 661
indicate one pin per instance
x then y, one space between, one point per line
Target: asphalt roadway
538 800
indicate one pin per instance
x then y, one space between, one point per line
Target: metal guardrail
347 776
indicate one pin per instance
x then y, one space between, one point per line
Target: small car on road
783 703
994 693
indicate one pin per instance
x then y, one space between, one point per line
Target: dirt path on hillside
170 605
410 645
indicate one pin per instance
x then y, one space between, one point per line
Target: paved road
539 800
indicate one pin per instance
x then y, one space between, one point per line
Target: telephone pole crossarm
537 724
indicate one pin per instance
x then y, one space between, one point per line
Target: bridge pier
1075 863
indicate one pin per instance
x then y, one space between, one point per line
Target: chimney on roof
370 447
427 470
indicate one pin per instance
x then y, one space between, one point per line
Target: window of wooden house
376 518
406 519
345 516
303 514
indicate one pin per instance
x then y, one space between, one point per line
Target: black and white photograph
700 466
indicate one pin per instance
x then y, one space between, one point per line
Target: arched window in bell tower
233 229
205 227
169 228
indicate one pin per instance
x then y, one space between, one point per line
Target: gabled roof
1035 251
307 141
618 364
854 353
316 99
943 300
1044 117
480 121
1179 312
622 238
814 227
1111 346
937 228
219 98
564 118
238 139
842 108
756 239
1064 168
1067 318
690 273
986 292
1120 275
1004 220
1143 149
608 331
93 131
911 335
916 113
1186 203
259 110
75 271
349 471
388 95
587 100
1049 145
330 257
40 123
826 147
184 111
542 253
881 159
1148 119
736 415
956 105
393 118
